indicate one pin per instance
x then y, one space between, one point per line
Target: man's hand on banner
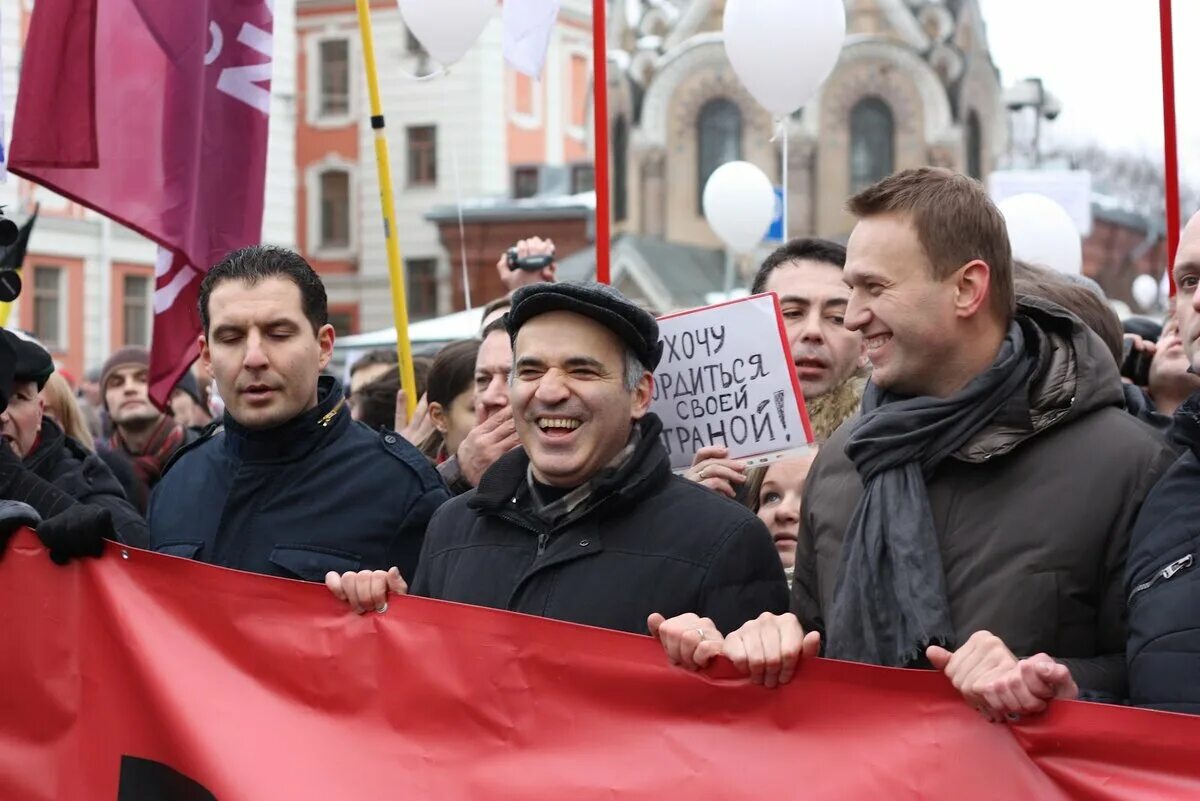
689 640
770 647
999 685
366 589
711 468
486 443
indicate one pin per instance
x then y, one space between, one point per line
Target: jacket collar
296 438
51 441
505 482
1187 424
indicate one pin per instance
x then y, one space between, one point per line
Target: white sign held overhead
726 378
1071 189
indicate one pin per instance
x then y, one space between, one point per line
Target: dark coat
645 541
1033 514
85 477
318 493
1163 583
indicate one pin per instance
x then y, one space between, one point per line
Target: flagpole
600 123
1170 145
395 261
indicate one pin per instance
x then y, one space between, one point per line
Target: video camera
529 263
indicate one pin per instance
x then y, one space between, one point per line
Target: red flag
142 677
153 112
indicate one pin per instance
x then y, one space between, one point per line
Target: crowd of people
990 495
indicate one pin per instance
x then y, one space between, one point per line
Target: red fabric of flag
153 112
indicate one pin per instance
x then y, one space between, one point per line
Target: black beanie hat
636 327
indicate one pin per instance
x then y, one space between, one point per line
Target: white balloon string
784 133
440 71
462 234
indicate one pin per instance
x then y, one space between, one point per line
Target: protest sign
726 378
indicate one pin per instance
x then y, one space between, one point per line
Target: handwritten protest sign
726 378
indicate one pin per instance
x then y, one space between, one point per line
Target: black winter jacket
1163 583
85 477
645 541
318 493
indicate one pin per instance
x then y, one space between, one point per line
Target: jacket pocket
311 563
188 549
1163 574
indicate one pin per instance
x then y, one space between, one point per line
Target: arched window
620 162
872 143
719 140
974 147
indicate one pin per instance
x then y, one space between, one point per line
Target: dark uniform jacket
85 477
644 541
1033 514
1163 583
318 493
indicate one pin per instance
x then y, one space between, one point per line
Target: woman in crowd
773 492
450 397
62 408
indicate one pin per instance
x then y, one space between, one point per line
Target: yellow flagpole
408 379
5 310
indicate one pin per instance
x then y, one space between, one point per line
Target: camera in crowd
529 263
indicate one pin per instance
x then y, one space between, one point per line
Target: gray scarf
890 603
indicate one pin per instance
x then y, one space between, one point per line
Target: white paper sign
727 378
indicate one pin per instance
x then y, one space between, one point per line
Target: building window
342 322
581 75
334 63
719 129
525 182
422 155
872 143
422 288
136 305
48 302
583 178
974 147
620 182
335 209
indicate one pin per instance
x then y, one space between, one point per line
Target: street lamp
1031 93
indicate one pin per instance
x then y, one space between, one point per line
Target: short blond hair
60 401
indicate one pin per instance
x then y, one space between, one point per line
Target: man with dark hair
291 486
806 274
373 364
976 516
585 522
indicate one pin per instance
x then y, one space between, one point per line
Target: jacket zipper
1165 574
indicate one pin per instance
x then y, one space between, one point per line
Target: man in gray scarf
975 517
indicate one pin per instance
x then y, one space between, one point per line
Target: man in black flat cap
47 452
585 521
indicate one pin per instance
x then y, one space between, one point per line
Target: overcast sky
1101 58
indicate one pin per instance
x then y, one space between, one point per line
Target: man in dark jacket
977 516
50 454
291 486
1163 578
585 522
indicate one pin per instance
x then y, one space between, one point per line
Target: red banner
148 678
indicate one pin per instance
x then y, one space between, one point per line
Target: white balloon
1042 233
783 50
739 204
447 28
1145 291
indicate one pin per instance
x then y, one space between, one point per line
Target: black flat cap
636 327
32 363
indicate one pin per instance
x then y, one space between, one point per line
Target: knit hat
125 356
636 327
32 362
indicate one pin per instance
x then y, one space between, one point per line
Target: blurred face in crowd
1187 299
572 411
90 391
127 395
492 366
186 411
262 351
779 503
813 297
907 318
22 420
454 421
362 377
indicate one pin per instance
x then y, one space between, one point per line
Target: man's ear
642 394
205 354
325 337
972 285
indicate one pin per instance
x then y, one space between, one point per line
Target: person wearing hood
50 454
976 517
290 485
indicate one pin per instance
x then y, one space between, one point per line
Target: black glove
15 515
78 531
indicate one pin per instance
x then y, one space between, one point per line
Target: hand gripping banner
141 677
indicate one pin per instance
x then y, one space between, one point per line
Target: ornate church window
719 140
872 142
974 147
620 166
